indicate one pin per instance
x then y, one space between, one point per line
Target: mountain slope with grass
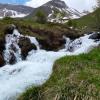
89 22
57 11
43 32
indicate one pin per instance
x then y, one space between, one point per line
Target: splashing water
37 67
11 47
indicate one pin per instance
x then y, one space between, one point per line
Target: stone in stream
25 46
95 36
2 61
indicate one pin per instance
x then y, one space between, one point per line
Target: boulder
95 36
49 44
2 44
9 29
2 61
26 46
12 59
2 48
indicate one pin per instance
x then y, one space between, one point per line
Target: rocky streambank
19 45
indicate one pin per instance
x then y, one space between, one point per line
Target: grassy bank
73 78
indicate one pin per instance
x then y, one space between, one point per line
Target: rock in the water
9 29
2 44
12 59
95 36
2 62
26 46
2 48
49 44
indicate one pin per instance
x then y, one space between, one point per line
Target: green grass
89 21
73 78
25 24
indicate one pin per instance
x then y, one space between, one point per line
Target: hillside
14 11
57 11
43 32
89 22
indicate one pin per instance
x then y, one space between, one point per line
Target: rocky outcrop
49 39
53 39
26 46
95 36
9 29
52 43
2 44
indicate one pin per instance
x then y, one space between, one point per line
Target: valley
49 53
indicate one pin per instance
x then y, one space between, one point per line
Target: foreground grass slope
73 78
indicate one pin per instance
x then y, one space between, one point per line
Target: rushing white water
37 68
11 43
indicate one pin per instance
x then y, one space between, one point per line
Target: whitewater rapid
37 68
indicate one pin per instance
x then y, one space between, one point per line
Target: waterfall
13 51
12 48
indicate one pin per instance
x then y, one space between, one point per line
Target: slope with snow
10 10
11 13
37 68
57 11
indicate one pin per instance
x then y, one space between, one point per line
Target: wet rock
13 48
26 46
95 36
2 48
12 59
49 44
2 44
9 29
2 61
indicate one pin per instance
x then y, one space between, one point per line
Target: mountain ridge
11 10
54 10
57 11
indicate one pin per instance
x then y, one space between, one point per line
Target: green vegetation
73 78
59 15
72 23
89 22
30 27
40 17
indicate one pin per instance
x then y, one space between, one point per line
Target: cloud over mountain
78 4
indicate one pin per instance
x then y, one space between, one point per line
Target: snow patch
12 14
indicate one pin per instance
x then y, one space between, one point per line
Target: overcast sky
77 4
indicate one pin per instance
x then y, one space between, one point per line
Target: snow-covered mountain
55 11
58 11
14 10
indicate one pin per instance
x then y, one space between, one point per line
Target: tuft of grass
73 78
